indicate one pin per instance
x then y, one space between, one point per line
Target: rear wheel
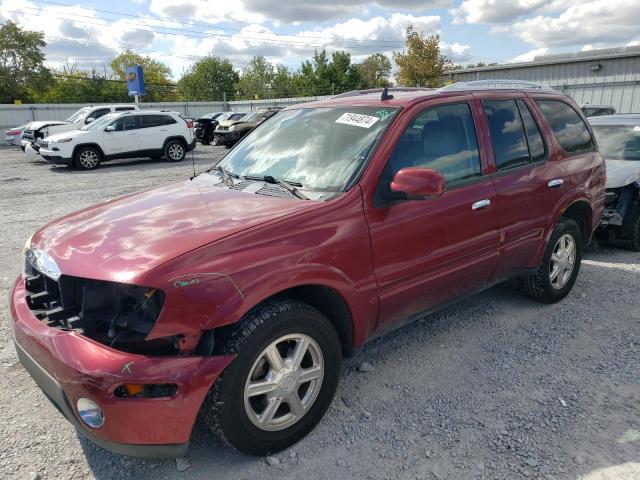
561 264
175 151
87 158
282 380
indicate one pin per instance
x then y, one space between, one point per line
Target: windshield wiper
226 175
291 187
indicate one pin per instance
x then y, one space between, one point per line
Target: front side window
125 123
101 122
618 142
570 131
441 138
321 148
507 133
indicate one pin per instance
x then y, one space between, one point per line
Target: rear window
570 131
124 109
148 121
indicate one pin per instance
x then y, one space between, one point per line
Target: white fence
14 115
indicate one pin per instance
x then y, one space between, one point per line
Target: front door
427 252
124 139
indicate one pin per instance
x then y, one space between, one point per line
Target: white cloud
598 23
493 11
530 55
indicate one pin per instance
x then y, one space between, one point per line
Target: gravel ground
497 387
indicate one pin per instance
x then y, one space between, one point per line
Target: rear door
427 252
528 180
124 139
154 129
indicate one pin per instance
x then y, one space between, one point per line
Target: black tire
87 158
539 286
224 409
175 151
631 228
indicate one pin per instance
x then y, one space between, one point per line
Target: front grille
114 314
43 144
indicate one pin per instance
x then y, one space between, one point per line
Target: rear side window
534 138
507 133
441 138
570 131
148 121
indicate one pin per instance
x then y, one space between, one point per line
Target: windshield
321 148
234 116
101 122
618 142
76 116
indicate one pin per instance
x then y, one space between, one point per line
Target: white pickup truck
84 116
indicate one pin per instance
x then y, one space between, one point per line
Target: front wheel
87 158
282 380
175 151
560 266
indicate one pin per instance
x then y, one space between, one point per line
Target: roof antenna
385 94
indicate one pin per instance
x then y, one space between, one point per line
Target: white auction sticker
357 120
636 128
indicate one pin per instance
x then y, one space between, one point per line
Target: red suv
237 293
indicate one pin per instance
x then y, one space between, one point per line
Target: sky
89 33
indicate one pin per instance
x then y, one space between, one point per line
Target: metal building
604 77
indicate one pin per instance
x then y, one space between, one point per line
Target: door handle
481 204
556 183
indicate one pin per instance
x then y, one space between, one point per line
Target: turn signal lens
133 389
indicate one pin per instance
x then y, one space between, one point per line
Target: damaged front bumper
68 366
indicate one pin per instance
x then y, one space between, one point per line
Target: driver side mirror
110 128
418 183
89 120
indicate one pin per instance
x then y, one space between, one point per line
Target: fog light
90 413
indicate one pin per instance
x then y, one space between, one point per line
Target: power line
209 35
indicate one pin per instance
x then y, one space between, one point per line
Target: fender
92 145
570 198
206 300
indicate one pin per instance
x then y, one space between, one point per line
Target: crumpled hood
123 238
622 172
45 123
228 123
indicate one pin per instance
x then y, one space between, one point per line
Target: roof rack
497 84
355 93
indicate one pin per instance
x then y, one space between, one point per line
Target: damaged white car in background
618 138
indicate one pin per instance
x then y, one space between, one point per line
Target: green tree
71 85
375 71
422 64
157 75
208 80
257 79
22 70
283 85
344 75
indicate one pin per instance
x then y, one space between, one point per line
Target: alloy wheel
176 152
563 259
88 159
284 382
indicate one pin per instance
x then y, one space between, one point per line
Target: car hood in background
39 125
123 238
228 123
622 172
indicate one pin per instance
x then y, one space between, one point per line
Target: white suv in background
121 135
41 129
